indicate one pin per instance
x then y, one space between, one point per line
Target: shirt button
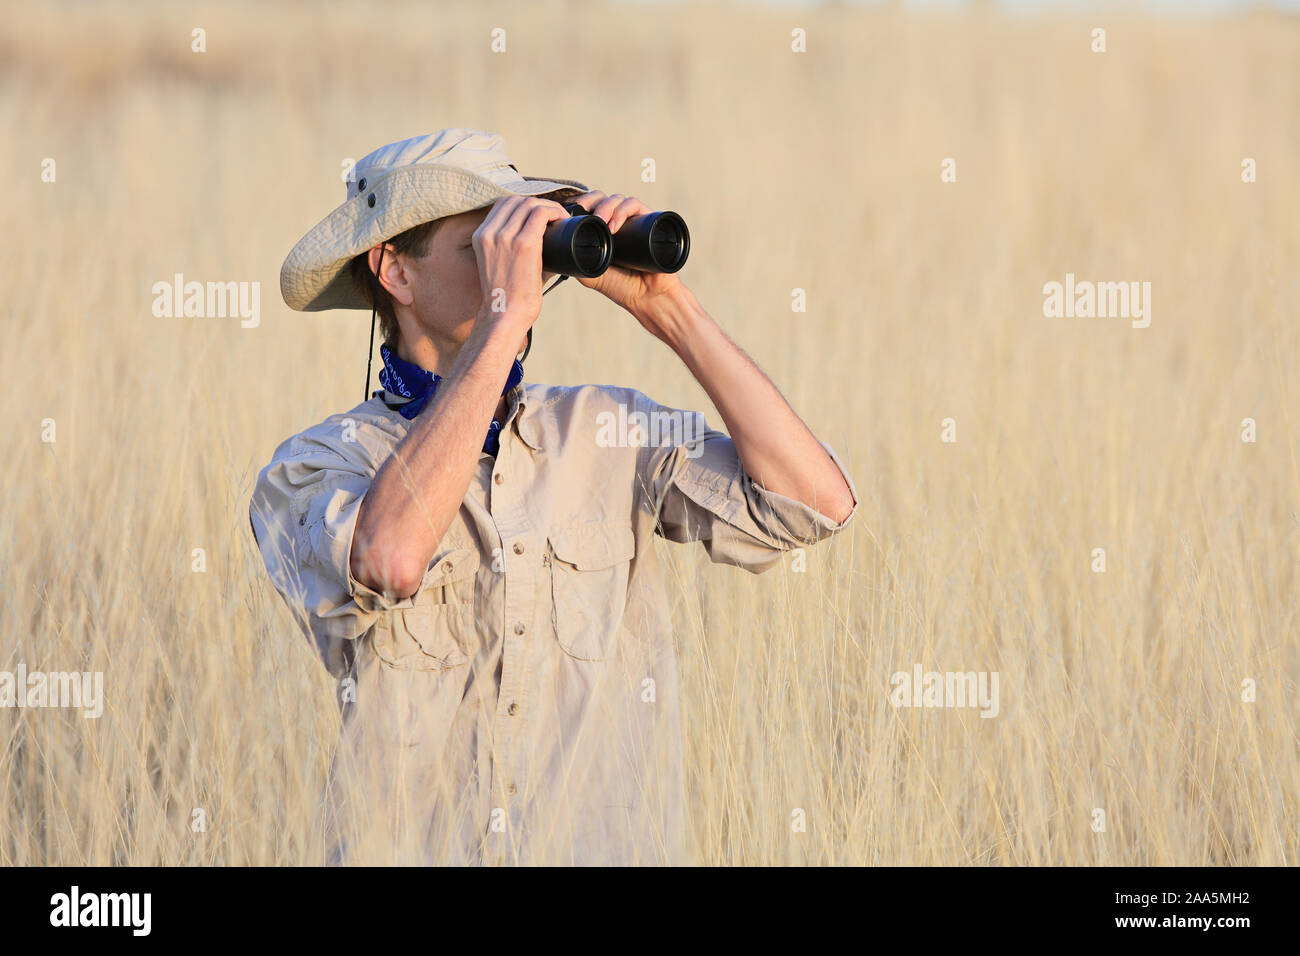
512 709
498 477
446 565
519 548
513 790
519 628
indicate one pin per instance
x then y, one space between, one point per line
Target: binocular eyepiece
582 245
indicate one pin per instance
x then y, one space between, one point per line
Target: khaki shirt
522 706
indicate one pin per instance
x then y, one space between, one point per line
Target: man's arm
775 447
417 492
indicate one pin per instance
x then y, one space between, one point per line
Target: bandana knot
418 384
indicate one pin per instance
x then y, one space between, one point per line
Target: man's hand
508 248
635 291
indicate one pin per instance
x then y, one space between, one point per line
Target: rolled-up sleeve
303 513
704 494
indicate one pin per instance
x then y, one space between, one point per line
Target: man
473 556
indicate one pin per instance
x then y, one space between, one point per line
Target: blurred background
132 440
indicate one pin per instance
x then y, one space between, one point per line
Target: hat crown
475 150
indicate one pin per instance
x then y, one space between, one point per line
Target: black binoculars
582 245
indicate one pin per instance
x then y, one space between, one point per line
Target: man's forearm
775 447
417 492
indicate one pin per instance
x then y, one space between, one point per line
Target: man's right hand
508 247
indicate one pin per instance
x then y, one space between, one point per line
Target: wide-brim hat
396 187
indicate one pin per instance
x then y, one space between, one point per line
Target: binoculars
582 245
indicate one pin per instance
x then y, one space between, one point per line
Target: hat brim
314 276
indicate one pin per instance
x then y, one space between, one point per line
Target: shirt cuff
802 521
340 528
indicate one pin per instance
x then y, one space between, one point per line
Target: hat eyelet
361 185
370 200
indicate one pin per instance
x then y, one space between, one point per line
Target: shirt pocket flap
436 630
594 546
458 564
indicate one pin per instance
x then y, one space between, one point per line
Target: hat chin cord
529 347
374 304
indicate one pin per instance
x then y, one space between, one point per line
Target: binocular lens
591 246
652 242
578 246
670 243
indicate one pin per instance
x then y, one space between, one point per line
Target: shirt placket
519 563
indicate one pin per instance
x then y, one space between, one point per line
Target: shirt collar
525 419
517 410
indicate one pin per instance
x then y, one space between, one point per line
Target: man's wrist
494 339
675 317
502 327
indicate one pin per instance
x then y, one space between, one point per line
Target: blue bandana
410 381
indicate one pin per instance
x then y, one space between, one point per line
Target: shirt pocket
437 631
590 564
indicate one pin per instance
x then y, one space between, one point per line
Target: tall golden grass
818 171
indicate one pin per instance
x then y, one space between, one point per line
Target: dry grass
821 171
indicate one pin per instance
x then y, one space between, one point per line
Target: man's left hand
634 290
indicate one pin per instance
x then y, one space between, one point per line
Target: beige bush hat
392 189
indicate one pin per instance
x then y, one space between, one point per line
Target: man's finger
516 210
629 207
498 213
588 198
538 216
605 207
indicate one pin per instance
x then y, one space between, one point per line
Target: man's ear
392 274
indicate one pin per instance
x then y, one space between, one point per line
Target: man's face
445 284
